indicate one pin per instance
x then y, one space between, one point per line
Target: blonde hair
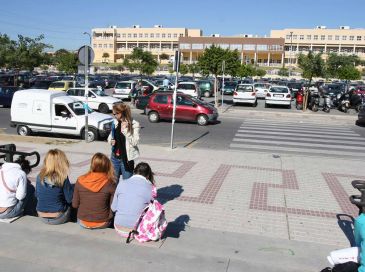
55 167
100 163
126 114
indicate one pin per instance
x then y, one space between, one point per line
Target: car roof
187 82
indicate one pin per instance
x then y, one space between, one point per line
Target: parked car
245 93
124 89
188 108
62 85
206 88
6 95
190 88
229 87
278 95
97 99
261 89
41 84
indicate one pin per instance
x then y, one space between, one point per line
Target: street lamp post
86 90
291 52
87 33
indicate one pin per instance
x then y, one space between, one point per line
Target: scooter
313 101
299 100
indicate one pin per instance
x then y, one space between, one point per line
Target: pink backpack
151 224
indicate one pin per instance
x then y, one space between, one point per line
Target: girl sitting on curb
93 194
53 189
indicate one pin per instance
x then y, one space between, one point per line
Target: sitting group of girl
95 195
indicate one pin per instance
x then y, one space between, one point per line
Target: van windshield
79 108
123 85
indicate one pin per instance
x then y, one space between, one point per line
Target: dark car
188 108
41 84
206 88
6 95
229 87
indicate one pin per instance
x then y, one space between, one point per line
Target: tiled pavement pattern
291 137
291 197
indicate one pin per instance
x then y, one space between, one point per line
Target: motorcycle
327 103
313 100
299 100
350 100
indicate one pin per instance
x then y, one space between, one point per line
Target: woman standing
93 194
53 189
124 139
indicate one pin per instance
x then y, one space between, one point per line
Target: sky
63 22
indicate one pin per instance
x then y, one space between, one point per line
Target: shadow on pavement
168 193
175 227
346 223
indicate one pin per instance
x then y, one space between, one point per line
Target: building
260 51
343 40
116 43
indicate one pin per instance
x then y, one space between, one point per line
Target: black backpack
345 267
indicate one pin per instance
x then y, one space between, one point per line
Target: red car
160 106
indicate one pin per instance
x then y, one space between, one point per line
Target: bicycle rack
359 200
8 151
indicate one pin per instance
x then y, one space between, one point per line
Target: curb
37 139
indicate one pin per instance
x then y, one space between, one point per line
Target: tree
140 60
66 61
211 63
343 67
164 56
283 72
246 70
194 69
348 72
105 56
312 66
183 69
260 72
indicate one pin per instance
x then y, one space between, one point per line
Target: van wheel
206 94
202 120
103 108
23 130
91 133
153 117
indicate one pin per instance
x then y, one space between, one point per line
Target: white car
261 89
245 93
123 89
278 95
97 99
190 88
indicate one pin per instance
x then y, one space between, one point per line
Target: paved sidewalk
290 198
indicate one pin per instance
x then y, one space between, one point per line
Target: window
184 101
105 45
329 37
129 35
315 37
181 35
146 35
163 35
124 35
175 35
161 99
185 46
197 46
344 38
95 45
118 35
249 47
169 35
152 35
207 45
110 45
236 46
140 35
135 35
287 37
337 37
352 38
60 108
157 35
309 37
358 38
301 37
223 46
295 37
100 45
262 47
323 37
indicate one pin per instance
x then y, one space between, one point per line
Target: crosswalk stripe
299 139
299 144
297 126
295 134
305 131
300 151
269 121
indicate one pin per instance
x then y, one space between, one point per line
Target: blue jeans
119 169
15 211
63 218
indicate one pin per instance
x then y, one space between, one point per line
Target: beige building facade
119 42
343 40
260 51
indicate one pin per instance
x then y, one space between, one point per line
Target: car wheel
202 120
103 108
207 94
23 130
92 134
153 117
314 108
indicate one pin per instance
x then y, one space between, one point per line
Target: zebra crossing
302 138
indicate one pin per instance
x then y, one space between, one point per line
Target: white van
37 110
